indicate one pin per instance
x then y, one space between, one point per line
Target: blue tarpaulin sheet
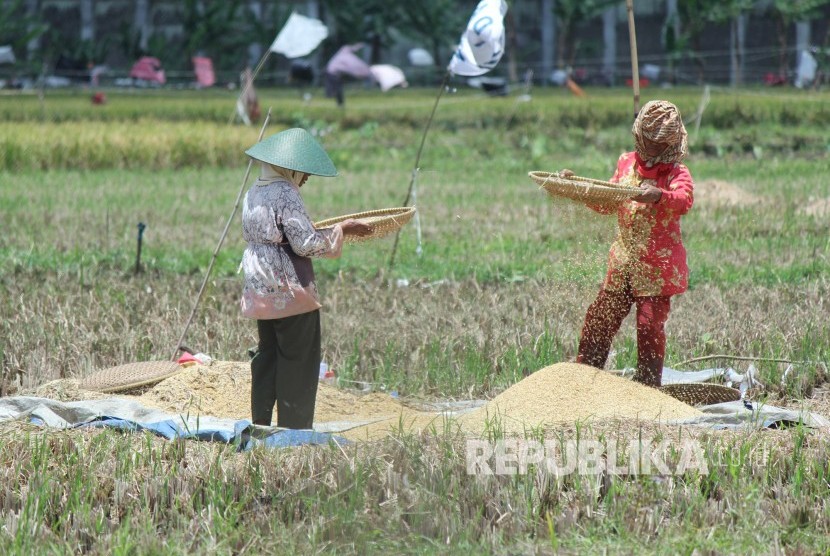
128 415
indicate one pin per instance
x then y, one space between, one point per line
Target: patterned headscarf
269 172
659 121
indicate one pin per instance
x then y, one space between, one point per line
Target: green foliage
569 15
693 16
371 22
17 27
790 11
438 22
219 29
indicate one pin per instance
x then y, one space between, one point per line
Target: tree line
232 32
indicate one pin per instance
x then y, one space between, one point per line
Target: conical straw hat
294 149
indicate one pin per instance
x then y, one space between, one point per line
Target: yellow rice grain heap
567 393
553 396
223 389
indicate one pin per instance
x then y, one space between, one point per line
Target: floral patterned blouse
648 252
279 276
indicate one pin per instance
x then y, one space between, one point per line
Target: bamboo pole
219 245
635 69
415 168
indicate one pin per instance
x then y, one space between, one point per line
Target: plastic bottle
326 374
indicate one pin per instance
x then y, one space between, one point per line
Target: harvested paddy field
478 307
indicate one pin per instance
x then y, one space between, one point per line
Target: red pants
603 321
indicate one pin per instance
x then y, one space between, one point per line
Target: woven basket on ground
383 222
701 393
584 190
129 376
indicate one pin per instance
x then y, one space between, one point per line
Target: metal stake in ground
632 42
415 168
219 245
141 227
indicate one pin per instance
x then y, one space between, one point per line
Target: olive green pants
285 370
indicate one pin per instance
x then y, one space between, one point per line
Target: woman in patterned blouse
647 262
279 290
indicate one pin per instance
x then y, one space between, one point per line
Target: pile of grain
554 396
223 389
723 193
567 393
64 390
816 207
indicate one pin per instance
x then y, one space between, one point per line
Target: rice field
499 291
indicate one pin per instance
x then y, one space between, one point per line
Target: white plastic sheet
131 415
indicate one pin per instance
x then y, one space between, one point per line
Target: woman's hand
352 227
650 194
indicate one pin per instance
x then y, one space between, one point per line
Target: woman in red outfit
647 262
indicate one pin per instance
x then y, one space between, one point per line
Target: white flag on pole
299 36
482 43
806 72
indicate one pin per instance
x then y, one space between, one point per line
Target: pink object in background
149 69
346 62
187 360
203 68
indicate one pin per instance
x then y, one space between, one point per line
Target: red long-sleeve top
648 252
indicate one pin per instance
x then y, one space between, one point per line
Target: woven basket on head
383 222
584 190
701 393
129 376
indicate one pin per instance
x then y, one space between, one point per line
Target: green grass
481 222
500 291
103 492
604 107
161 130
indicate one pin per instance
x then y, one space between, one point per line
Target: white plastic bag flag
388 76
482 43
299 36
807 67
